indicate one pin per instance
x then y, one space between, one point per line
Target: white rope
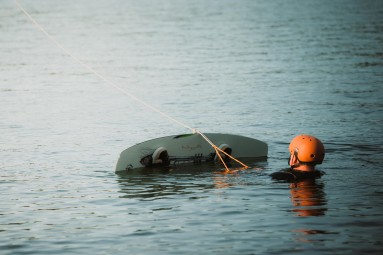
115 86
101 77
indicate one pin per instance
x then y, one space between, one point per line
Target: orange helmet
307 149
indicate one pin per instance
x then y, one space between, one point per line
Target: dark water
264 69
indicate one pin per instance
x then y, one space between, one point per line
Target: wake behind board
188 148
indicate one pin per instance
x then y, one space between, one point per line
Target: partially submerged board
188 148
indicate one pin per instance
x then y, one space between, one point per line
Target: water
264 69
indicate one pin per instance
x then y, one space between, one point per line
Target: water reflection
308 198
312 235
158 183
221 182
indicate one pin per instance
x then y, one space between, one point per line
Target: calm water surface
264 69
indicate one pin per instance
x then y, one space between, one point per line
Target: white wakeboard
188 148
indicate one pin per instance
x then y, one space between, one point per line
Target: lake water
264 69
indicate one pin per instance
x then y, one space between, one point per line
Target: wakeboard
189 148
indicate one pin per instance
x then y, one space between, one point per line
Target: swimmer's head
307 149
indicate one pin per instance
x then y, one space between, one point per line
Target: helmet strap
293 161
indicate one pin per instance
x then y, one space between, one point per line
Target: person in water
306 151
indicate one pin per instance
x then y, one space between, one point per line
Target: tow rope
123 91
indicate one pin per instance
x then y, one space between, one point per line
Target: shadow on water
166 182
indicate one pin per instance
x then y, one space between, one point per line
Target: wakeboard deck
188 148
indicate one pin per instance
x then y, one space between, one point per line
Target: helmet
307 149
